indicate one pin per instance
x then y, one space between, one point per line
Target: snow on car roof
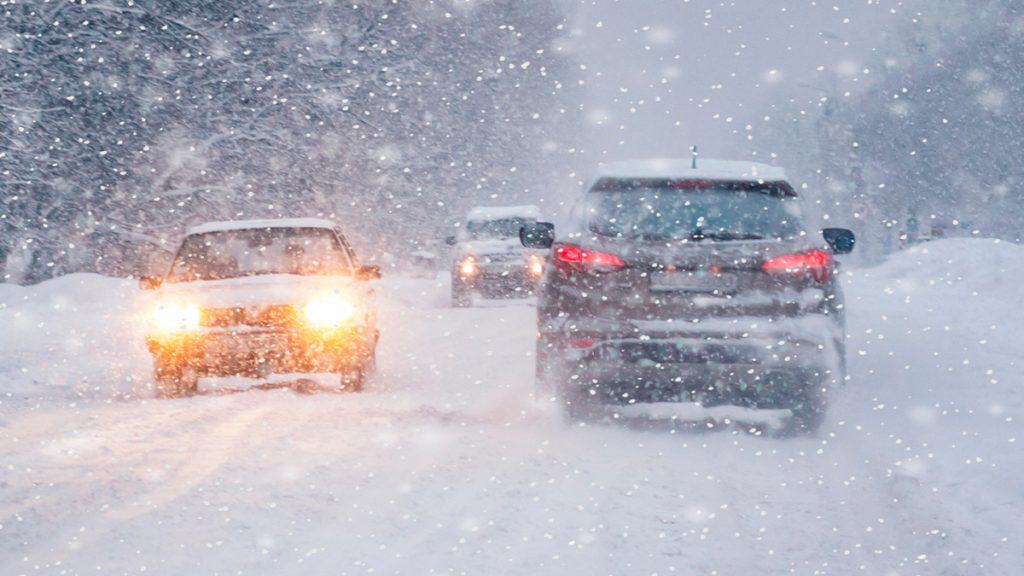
683 168
261 224
483 213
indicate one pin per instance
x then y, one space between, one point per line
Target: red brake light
817 263
571 256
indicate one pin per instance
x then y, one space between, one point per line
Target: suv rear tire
553 378
808 412
576 405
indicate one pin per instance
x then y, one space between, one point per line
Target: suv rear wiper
698 235
723 236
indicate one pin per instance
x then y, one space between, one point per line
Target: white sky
665 74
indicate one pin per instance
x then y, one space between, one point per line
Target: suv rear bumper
708 384
261 352
760 368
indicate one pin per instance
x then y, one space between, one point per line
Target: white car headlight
172 318
329 312
536 265
468 266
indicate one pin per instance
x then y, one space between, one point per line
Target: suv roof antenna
694 149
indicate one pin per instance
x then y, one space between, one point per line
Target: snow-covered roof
261 224
484 213
683 168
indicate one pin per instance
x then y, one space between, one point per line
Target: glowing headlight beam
536 265
328 312
171 318
468 266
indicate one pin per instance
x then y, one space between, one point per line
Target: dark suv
683 284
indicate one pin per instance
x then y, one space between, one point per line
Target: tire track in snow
79 438
192 443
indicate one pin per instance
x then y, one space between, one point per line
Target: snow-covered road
449 466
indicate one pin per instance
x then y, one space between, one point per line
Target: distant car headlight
173 318
536 265
468 266
330 312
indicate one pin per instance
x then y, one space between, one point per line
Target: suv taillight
572 257
816 263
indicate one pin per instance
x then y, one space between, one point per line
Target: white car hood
264 290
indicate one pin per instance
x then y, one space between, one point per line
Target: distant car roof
484 213
261 225
683 168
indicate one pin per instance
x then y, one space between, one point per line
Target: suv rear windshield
495 229
254 252
664 209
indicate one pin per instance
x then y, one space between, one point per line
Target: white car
489 258
258 297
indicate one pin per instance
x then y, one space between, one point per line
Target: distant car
258 297
682 284
489 258
425 263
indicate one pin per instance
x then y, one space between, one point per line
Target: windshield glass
495 229
674 210
253 252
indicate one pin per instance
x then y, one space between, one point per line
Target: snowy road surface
449 466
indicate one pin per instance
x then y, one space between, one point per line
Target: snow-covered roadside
448 466
938 395
77 335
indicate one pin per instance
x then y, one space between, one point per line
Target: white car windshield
254 252
495 229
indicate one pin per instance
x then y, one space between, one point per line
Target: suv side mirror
150 282
841 240
451 240
368 272
537 235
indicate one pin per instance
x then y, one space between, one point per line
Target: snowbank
78 333
986 272
936 357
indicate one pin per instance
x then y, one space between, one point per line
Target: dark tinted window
660 209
